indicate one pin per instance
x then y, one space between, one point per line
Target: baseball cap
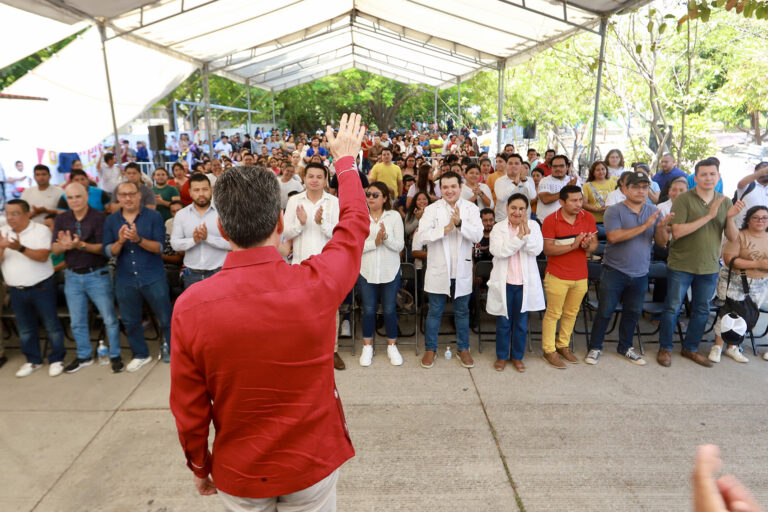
637 177
732 328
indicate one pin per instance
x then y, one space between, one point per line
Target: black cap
637 177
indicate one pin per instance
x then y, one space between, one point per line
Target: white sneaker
714 353
592 356
734 352
345 330
765 356
394 355
137 363
27 369
55 369
366 358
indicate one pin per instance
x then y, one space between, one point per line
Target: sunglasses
374 195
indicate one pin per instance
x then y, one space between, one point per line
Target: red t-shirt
252 350
571 266
544 167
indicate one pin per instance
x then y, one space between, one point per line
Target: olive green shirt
698 252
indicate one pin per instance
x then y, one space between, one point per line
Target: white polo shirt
20 270
553 186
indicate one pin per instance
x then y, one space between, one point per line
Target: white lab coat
502 247
431 233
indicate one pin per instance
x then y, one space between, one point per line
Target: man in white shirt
196 233
25 262
44 197
449 228
514 182
109 171
223 147
549 186
753 190
288 184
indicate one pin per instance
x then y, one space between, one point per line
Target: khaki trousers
320 497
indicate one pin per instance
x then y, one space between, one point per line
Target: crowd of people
121 238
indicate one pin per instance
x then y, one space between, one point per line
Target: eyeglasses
374 195
760 219
127 194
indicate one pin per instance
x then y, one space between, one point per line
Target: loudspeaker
529 131
157 138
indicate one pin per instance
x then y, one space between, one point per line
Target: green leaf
650 27
662 28
639 48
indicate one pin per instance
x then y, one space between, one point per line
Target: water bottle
103 353
165 352
448 353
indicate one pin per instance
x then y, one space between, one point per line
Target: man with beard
196 232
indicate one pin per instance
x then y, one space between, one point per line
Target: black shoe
117 364
78 364
3 360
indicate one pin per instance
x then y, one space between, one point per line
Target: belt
197 271
86 270
34 286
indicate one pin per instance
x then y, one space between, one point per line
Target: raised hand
301 214
347 141
319 216
573 180
715 206
734 210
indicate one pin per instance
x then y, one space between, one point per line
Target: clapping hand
715 206
122 234
5 242
200 233
132 233
381 235
734 210
587 240
666 220
523 229
456 216
319 216
301 214
66 239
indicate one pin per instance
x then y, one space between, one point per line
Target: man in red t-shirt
546 165
570 234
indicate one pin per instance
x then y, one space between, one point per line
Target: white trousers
320 497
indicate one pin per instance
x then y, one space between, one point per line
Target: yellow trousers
563 303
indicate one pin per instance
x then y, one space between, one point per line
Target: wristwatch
22 249
82 246
138 242
459 224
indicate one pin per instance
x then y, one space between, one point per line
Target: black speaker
529 131
157 138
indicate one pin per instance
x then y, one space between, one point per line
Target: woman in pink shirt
514 287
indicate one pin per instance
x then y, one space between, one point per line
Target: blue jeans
370 293
191 278
513 329
28 305
129 298
435 315
615 286
96 286
702 289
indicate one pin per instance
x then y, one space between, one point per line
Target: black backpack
749 189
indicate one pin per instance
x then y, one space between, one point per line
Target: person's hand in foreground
205 486
347 142
721 495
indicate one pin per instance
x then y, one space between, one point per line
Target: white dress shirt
504 187
615 197
467 193
666 208
20 270
382 263
109 177
208 254
310 238
552 185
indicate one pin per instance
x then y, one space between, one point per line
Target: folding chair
409 278
482 271
595 271
350 309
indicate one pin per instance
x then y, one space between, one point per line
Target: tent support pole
103 34
592 147
435 106
459 109
207 103
248 93
176 119
274 122
502 68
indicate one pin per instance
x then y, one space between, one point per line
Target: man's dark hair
515 155
486 211
449 175
386 149
293 193
225 137
707 162
51 216
315 165
549 151
41 167
248 202
109 156
569 189
503 156
176 201
509 146
76 172
24 205
160 169
561 157
133 165
198 177
472 166
18 162
451 159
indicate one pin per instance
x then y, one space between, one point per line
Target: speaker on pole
529 131
157 138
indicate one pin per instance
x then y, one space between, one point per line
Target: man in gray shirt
132 174
631 227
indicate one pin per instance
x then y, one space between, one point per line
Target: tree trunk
756 128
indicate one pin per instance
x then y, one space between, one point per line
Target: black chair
482 271
410 281
589 306
350 309
752 335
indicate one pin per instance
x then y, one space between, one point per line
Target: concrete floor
611 437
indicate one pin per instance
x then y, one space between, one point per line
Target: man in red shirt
252 348
569 235
546 165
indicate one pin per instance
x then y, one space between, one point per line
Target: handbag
746 309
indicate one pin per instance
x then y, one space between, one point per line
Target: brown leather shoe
499 365
338 363
554 359
519 365
465 359
664 358
696 358
428 361
566 354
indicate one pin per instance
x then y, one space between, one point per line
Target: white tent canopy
280 45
